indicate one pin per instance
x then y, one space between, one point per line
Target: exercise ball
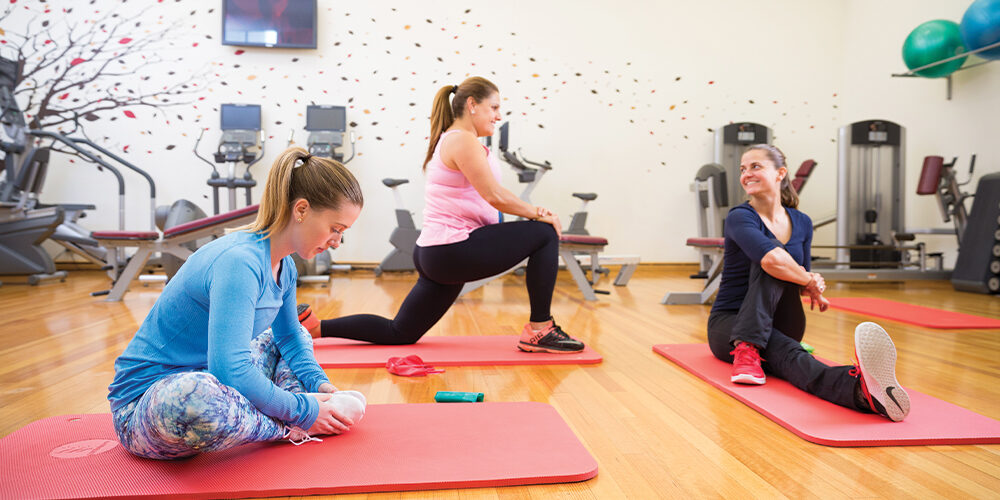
931 42
981 27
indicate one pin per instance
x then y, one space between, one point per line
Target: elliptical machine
326 126
23 227
241 134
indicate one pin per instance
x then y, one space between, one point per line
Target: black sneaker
551 339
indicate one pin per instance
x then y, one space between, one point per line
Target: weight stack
977 268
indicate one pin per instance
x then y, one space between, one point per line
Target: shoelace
856 372
561 335
856 369
743 350
298 436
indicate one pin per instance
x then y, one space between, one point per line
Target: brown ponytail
789 197
445 110
323 182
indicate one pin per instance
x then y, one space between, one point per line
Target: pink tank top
452 206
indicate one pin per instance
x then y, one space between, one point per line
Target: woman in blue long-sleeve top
757 321
221 360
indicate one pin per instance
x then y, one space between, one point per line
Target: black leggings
444 270
771 317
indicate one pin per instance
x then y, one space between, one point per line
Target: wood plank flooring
655 430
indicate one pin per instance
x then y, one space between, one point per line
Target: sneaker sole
877 361
534 348
747 379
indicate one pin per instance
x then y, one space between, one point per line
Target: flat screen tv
269 23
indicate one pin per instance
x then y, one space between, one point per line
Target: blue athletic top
222 297
748 240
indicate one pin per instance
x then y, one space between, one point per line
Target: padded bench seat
125 235
222 218
573 248
173 241
706 242
582 239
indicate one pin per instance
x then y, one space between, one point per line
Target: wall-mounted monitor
504 135
269 23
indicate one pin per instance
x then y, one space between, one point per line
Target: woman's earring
299 219
473 111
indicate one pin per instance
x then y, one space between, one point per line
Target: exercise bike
403 237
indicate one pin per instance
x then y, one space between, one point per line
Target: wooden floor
655 430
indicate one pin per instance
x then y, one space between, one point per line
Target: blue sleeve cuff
311 411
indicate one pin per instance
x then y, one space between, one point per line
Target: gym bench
712 248
172 241
572 246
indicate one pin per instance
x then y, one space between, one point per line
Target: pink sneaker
746 365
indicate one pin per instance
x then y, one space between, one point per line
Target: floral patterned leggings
187 413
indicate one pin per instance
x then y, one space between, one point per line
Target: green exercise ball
931 42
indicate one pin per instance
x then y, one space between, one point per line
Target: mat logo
80 449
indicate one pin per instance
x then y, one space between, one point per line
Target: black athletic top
748 240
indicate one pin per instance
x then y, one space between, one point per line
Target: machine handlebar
215 173
546 165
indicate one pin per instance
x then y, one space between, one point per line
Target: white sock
351 404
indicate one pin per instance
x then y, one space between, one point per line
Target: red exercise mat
396 447
484 350
931 421
909 313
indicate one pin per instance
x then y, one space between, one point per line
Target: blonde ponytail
323 182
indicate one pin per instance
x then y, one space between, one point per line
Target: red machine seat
706 242
125 235
582 239
209 221
930 175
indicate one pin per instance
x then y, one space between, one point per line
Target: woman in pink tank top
462 239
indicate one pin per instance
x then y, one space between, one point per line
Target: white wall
807 67
964 125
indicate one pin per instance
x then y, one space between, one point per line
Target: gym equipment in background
23 226
977 268
175 241
241 135
26 166
980 27
938 178
717 188
872 242
932 421
403 237
326 125
731 141
457 350
571 245
431 447
931 42
578 223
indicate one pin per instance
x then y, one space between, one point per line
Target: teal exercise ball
981 27
931 42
